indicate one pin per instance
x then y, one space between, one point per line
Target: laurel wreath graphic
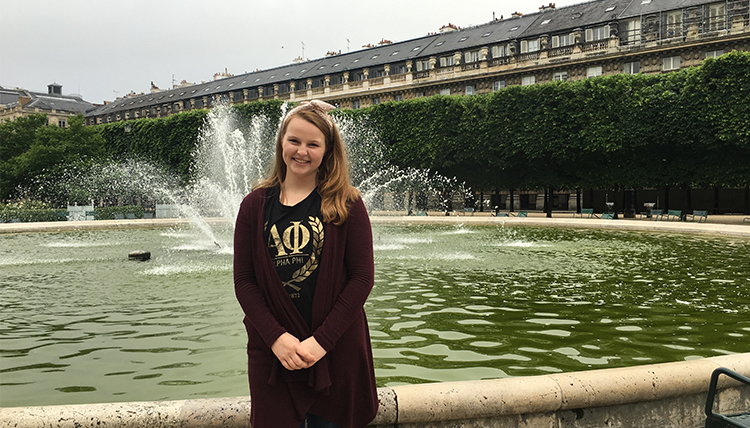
305 271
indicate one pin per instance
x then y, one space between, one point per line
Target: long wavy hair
334 184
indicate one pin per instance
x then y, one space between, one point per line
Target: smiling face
302 148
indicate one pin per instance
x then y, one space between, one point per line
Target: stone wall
663 395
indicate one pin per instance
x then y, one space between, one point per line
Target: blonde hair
334 185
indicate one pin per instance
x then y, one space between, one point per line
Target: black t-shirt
295 236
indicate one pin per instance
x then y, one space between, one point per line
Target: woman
303 268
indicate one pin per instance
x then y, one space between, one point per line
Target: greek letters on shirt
299 246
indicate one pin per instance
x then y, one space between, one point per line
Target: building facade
595 38
15 103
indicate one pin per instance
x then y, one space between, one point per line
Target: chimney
54 89
516 15
543 7
22 101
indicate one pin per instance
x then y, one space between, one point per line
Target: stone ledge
664 395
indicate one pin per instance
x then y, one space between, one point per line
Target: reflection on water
80 323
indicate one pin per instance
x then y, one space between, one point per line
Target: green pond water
79 323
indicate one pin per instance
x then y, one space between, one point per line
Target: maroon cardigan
341 386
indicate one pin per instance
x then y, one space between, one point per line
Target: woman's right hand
291 354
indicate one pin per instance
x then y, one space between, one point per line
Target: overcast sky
102 49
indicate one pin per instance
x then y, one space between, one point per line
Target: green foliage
34 149
686 128
26 210
108 213
170 141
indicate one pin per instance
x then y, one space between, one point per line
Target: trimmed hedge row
33 215
686 128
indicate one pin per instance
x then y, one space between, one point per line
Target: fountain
80 324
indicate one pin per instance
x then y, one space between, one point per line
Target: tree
50 151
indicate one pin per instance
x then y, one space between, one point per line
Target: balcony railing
505 60
598 45
528 57
561 51
472 66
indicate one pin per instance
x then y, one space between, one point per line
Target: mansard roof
45 101
644 7
548 21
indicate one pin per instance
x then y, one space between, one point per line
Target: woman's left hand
313 347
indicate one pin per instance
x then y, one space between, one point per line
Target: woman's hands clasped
296 355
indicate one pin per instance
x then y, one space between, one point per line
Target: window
445 91
469 90
498 51
375 101
423 65
716 17
355 104
420 94
561 40
560 76
594 71
674 24
397 98
529 46
597 33
633 31
446 61
398 69
632 67
487 34
714 54
528 80
499 84
471 56
671 63
61 123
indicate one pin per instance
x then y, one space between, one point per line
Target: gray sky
102 49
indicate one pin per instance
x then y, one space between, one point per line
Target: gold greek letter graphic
274 234
296 236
